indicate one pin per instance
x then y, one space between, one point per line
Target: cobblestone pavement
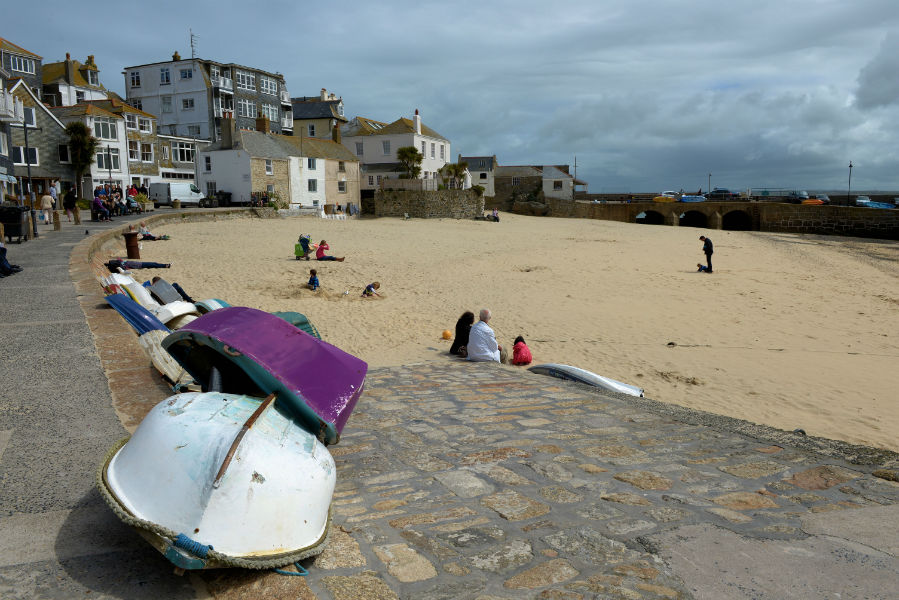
455 480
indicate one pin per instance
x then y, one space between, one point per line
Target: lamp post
849 189
710 182
24 127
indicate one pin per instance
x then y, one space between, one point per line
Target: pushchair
302 248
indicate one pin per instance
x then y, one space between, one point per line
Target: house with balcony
301 171
483 172
190 96
111 163
39 147
70 82
375 144
11 113
316 116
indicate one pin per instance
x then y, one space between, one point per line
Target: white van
162 194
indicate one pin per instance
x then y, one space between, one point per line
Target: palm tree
453 173
411 159
82 148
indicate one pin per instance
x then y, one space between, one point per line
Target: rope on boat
192 546
259 563
300 572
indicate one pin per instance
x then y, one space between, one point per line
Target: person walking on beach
482 346
708 250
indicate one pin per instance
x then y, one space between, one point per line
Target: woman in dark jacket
463 328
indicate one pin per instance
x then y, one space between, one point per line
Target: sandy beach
790 331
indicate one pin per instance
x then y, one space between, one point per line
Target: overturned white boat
587 377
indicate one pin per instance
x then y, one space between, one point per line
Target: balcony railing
428 185
287 122
11 108
223 83
285 97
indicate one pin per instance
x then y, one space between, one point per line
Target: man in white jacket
482 344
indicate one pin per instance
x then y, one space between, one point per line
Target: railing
429 185
285 97
11 108
223 82
287 121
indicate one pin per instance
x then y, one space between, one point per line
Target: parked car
720 194
668 196
797 197
823 198
862 200
691 198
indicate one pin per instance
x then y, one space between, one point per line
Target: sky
643 95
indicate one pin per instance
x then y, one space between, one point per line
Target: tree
453 174
82 149
411 159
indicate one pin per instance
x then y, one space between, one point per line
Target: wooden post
57 220
77 213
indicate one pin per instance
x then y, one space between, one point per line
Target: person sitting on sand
313 280
482 344
521 354
320 253
371 290
701 268
463 328
146 234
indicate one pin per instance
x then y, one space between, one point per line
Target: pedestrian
69 201
53 193
708 250
313 280
46 207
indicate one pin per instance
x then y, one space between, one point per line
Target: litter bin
131 246
15 222
176 204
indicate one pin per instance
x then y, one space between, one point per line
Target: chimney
90 60
263 125
229 131
335 133
70 69
176 56
324 94
416 122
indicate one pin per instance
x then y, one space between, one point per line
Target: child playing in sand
521 354
320 252
371 290
313 280
702 268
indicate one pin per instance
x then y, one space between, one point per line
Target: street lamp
849 190
25 128
710 182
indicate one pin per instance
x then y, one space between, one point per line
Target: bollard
2 233
77 213
29 233
57 221
176 204
131 246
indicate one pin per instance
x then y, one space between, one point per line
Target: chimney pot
176 56
68 56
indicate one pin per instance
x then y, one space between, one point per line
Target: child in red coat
521 354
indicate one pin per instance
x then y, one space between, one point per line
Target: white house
111 161
375 144
483 172
557 183
70 82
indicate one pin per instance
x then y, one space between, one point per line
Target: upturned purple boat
238 350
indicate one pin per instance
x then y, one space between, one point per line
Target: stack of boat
237 473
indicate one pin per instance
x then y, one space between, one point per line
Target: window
246 80
18 154
341 187
386 146
424 175
341 166
270 189
246 108
207 160
79 97
63 153
93 78
267 85
483 176
313 185
214 72
270 111
269 170
137 103
21 64
146 152
442 152
340 109
187 103
135 78
183 151
133 150
130 121
146 126
557 185
311 129
30 117
165 151
105 128
187 73
379 180
310 163
3 149
210 188
371 180
423 151
358 148
193 130
164 76
516 181
108 158
433 145
166 104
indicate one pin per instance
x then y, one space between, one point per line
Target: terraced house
70 82
16 64
191 96
316 116
11 113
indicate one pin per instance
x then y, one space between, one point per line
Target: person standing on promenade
482 344
46 207
708 250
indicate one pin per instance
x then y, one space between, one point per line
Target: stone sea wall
441 204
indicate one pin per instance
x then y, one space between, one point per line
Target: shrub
83 204
141 198
478 189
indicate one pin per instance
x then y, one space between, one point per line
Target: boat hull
270 500
587 377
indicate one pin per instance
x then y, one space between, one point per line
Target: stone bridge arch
650 216
739 220
693 217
